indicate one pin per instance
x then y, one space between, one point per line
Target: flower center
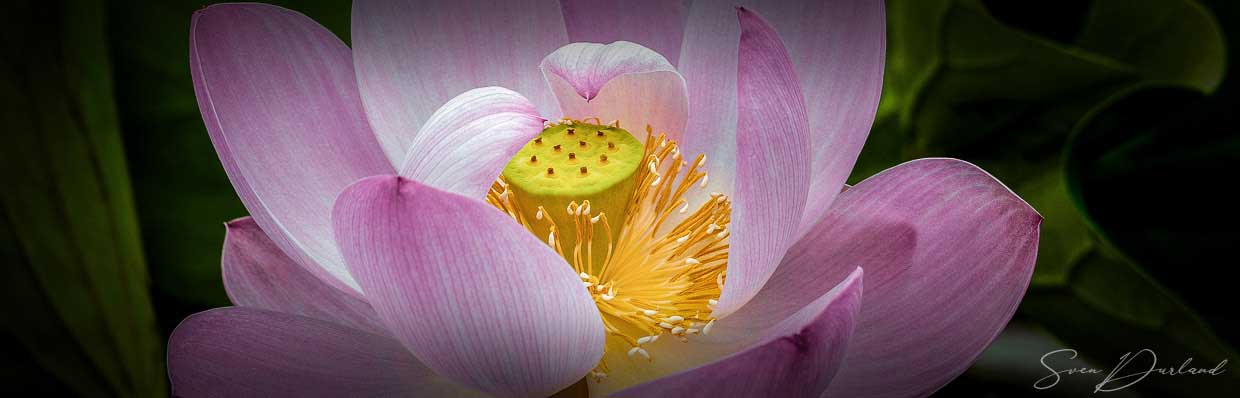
616 210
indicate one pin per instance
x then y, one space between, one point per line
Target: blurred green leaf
959 78
183 195
962 83
1176 41
1110 307
1149 171
1104 304
75 284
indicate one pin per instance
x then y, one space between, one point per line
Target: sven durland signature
1131 369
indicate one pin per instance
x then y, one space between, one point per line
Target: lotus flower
465 203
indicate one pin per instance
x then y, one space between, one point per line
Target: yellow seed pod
575 163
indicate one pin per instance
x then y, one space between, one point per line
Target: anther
635 351
692 261
675 318
678 330
650 312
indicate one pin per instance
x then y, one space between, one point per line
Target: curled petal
465 145
618 81
772 165
838 50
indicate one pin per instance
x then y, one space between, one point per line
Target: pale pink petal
655 24
470 292
924 320
465 145
819 261
248 352
708 61
257 274
278 96
772 165
619 81
797 357
413 56
837 48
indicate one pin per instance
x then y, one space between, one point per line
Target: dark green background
1114 118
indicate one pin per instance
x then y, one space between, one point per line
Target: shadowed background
1113 118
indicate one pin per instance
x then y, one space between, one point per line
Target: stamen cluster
662 274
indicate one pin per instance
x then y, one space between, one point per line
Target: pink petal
838 50
470 292
278 96
413 56
465 145
797 358
618 81
655 24
248 352
925 320
819 261
772 166
257 274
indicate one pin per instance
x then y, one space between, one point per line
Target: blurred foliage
74 285
1095 113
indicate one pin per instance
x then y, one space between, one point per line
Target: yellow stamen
663 272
